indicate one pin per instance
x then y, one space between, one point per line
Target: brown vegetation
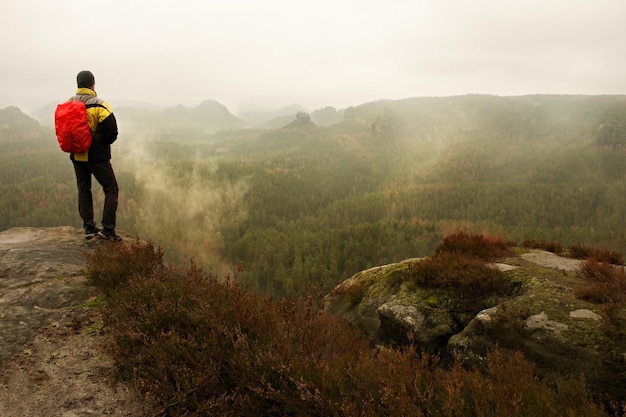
471 279
460 266
600 255
550 246
488 248
605 285
577 251
197 345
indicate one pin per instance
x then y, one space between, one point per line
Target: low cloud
182 206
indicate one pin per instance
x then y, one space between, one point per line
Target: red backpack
72 128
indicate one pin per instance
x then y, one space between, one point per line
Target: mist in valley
180 205
316 201
306 203
308 142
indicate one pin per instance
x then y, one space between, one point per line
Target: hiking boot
109 235
91 232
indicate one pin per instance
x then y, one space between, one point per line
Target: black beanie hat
85 79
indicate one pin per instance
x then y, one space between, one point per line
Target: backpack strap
89 106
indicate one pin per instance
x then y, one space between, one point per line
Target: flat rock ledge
53 360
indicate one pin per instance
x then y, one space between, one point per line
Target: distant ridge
209 114
274 118
16 126
212 116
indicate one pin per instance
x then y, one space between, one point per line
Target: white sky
265 54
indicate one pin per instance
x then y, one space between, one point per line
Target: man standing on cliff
96 161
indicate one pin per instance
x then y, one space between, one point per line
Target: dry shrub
508 387
471 279
488 248
549 246
199 346
578 251
613 320
600 255
112 265
605 285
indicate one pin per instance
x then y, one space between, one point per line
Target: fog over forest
305 197
311 141
189 205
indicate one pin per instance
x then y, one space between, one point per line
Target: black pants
103 173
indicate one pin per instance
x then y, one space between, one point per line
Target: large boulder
562 334
390 309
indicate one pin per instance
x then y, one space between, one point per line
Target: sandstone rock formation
53 360
39 279
562 334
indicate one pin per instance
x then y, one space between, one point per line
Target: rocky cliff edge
53 360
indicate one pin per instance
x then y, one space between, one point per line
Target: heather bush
605 285
578 251
487 248
600 255
110 266
195 345
471 279
549 246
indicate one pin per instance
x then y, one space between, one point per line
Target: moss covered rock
539 315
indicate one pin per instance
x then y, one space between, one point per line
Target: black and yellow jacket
102 124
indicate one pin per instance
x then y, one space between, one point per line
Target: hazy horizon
262 56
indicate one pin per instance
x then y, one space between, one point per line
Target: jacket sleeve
106 132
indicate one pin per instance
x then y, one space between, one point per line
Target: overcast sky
265 54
